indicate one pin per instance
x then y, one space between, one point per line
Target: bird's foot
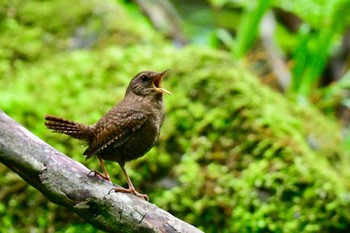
132 191
97 173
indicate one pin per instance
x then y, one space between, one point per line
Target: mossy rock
253 161
233 155
32 30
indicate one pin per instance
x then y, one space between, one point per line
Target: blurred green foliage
233 155
308 49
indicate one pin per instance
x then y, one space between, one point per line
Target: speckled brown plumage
127 131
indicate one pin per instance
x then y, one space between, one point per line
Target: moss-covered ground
233 156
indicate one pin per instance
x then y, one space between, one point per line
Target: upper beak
158 81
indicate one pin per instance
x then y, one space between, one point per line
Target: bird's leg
105 175
131 188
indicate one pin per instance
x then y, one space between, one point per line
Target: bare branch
65 182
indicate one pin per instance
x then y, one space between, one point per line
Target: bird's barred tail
71 128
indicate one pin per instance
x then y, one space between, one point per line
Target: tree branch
65 182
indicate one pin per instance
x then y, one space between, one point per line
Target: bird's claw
131 191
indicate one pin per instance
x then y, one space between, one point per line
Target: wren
127 131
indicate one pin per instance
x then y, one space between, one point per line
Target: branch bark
65 182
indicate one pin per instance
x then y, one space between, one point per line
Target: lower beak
163 90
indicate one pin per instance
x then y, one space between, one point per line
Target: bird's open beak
158 81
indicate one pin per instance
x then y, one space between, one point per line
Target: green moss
233 155
242 152
32 30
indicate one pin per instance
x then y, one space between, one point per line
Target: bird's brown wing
115 128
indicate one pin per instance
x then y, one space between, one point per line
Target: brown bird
127 131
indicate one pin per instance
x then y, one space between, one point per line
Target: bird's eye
144 78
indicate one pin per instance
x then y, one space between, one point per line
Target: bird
127 131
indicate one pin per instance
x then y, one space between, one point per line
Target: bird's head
147 83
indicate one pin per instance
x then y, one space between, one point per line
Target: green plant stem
248 29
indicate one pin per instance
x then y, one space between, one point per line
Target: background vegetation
256 134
